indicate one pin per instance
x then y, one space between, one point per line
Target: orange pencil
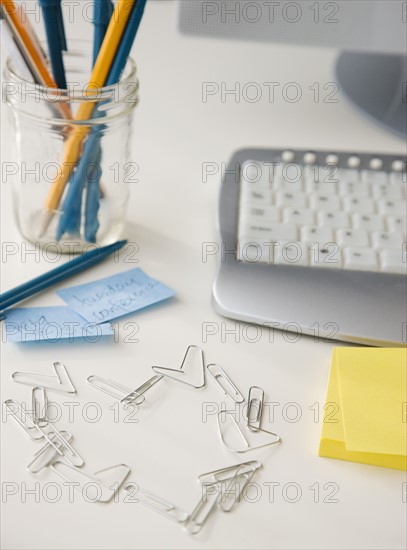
35 57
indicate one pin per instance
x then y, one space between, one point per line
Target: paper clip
202 510
115 390
225 474
182 375
141 390
255 408
61 445
23 419
106 482
234 490
219 375
46 455
35 379
157 504
247 445
40 406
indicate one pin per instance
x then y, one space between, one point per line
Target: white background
171 213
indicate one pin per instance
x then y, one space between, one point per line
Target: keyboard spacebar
268 232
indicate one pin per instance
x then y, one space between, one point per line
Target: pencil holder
71 178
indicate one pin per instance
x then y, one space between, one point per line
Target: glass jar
71 177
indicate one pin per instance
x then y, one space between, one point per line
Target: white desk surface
171 213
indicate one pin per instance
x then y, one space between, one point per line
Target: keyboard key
299 216
321 201
333 219
370 222
251 251
271 232
392 208
328 256
351 188
387 240
361 205
251 196
398 178
314 234
352 237
374 176
291 253
320 173
393 261
258 214
360 259
287 186
397 224
293 200
387 191
315 187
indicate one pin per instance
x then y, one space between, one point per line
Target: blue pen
89 166
75 188
54 29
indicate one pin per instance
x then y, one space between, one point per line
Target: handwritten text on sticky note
52 324
115 296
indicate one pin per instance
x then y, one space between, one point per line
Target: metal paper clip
112 388
157 504
23 419
223 381
141 390
255 408
202 510
40 406
61 445
46 455
106 482
242 435
182 375
225 474
234 490
36 379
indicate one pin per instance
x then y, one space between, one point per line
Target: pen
75 187
57 275
99 75
88 172
54 29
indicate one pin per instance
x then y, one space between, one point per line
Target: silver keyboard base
357 307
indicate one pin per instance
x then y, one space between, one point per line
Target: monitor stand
377 84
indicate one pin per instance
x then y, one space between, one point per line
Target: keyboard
324 211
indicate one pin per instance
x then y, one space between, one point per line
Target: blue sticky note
52 324
113 297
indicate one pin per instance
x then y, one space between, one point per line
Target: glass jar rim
123 94
60 94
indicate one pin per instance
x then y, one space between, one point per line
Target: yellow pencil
99 75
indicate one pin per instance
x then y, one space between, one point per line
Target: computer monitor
371 35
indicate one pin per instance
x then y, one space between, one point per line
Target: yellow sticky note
366 407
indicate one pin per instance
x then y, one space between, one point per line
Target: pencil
35 57
99 75
57 275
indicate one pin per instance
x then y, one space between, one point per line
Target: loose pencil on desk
57 275
73 144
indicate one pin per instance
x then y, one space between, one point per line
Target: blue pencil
68 216
58 274
54 28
